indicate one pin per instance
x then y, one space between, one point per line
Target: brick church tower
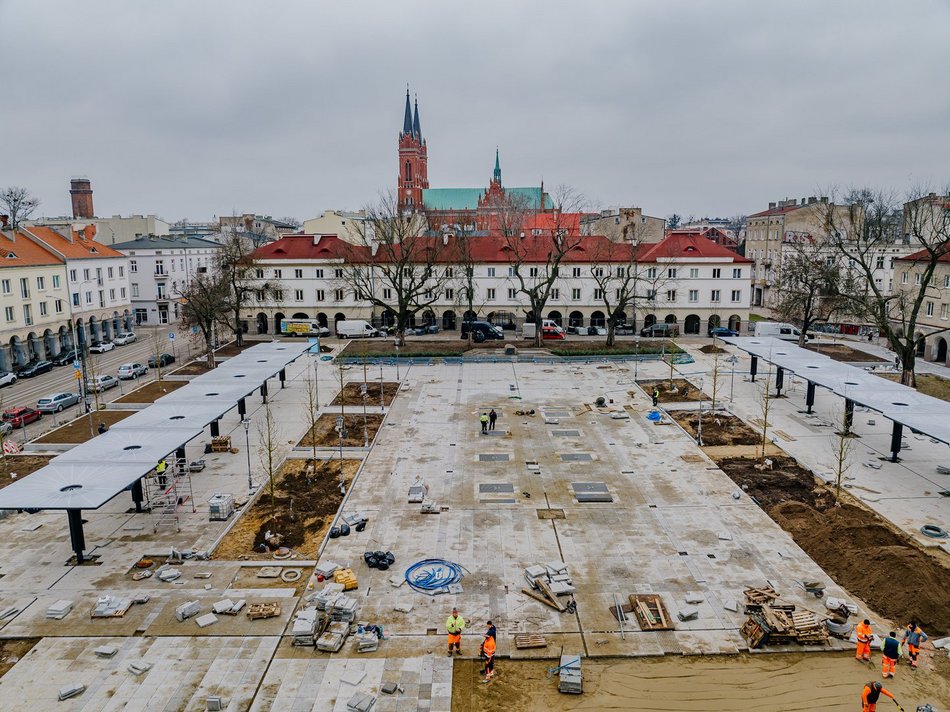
413 171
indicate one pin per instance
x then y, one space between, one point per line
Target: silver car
123 339
56 402
101 383
132 370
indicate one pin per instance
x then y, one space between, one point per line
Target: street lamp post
247 446
636 361
699 429
732 377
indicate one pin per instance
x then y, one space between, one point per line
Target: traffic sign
77 374
77 365
194 330
171 335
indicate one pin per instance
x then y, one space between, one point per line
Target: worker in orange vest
455 625
864 635
488 651
870 695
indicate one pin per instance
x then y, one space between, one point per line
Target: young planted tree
205 304
862 234
715 375
18 203
841 447
765 405
312 412
158 345
395 264
809 285
267 451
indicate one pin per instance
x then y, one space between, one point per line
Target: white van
779 330
528 329
303 327
355 328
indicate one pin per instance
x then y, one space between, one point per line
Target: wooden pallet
221 443
530 640
650 611
760 596
754 633
257 611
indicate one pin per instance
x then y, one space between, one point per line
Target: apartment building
686 280
623 225
159 268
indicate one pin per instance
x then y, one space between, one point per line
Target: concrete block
731 606
389 687
140 668
552 421
942 643
352 677
187 610
238 606
223 606
214 703
106 651
360 702
694 597
71 691
59 610
206 620
725 536
402 607
533 572
688 614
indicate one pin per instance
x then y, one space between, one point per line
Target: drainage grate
498 501
556 414
593 497
506 487
501 433
576 457
591 492
493 457
566 433
589 486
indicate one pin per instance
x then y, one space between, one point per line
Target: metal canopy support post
754 367
848 415
897 434
137 495
779 381
214 429
283 378
810 396
75 534
242 408
264 392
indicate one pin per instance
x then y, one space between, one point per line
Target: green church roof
467 198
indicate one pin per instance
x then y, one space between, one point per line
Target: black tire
59 409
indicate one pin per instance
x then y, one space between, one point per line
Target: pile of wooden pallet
650 611
771 622
221 443
548 582
258 611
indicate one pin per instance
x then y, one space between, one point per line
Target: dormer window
11 255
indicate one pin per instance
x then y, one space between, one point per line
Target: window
109 272
24 287
917 278
449 294
8 313
319 274
943 311
694 295
575 271
671 295
406 272
298 274
321 295
717 273
621 272
694 272
159 266
27 315
122 292
40 284
930 308
75 299
671 273
597 271
55 281
5 286
512 294
133 268
737 273
58 305
491 271
387 293
598 294
85 274
946 281
160 292
715 295
651 295
277 274
279 295
449 272
338 294
490 294
135 290
338 273
111 295
736 295
651 273
879 262
72 274
259 273
903 278
121 271
576 295
511 271
555 294
44 310
532 271
298 295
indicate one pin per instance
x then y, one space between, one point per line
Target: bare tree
157 345
809 285
465 283
716 373
267 451
736 225
862 233
238 269
536 258
205 300
312 412
293 222
396 265
841 448
18 203
765 405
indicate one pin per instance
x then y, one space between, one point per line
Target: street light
636 361
247 446
732 376
699 429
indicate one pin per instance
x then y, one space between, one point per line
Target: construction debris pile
329 618
775 623
570 679
546 582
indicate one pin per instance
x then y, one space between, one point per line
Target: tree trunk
801 339
611 336
908 356
239 337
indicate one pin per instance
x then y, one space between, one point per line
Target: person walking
913 636
864 635
455 625
160 471
488 650
656 396
102 428
484 421
492 417
871 693
891 652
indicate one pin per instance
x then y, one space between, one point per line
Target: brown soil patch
151 392
195 368
712 349
840 352
573 345
314 503
233 349
22 465
77 431
324 434
352 394
718 428
855 546
418 347
927 383
685 392
12 650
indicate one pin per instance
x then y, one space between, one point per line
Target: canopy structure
89 475
902 405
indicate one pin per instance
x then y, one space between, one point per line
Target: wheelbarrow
815 588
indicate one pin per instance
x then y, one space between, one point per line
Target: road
26 391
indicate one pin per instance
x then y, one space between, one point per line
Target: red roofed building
720 237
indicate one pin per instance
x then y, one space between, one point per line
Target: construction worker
484 421
492 417
102 428
455 624
160 471
891 652
870 694
656 396
488 650
864 635
913 636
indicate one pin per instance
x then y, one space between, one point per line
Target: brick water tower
80 191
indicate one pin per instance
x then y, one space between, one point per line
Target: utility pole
342 429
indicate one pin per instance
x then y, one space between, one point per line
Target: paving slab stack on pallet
59 610
333 637
305 624
187 610
571 681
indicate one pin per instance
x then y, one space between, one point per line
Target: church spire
496 176
407 121
416 129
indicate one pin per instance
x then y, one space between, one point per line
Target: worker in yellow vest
160 471
455 624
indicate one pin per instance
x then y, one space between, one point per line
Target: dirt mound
679 391
854 545
712 349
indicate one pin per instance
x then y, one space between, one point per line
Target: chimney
824 199
812 199
771 206
80 192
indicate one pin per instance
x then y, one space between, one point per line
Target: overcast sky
194 109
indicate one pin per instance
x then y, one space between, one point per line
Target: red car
19 417
551 332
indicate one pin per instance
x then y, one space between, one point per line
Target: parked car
661 329
125 338
7 378
778 329
162 360
56 402
624 330
132 370
548 332
35 369
101 347
21 416
5 428
427 329
721 331
66 358
481 331
101 383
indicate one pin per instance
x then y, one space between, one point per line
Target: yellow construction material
346 577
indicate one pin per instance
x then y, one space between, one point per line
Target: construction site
315 529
